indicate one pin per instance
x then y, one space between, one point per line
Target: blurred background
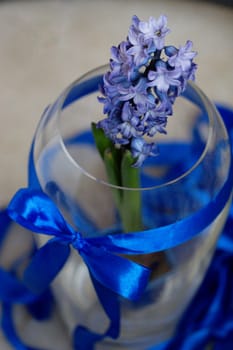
45 45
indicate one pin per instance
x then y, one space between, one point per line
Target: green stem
121 173
131 201
113 176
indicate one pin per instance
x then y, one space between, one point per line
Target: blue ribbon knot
78 242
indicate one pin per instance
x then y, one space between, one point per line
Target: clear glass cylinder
191 168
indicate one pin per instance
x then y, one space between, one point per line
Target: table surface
45 45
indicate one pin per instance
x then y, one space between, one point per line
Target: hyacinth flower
138 93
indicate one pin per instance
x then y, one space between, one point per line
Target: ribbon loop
31 208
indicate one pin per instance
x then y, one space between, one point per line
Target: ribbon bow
35 211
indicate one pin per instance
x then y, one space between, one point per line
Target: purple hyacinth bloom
108 106
165 102
158 124
110 88
135 24
155 30
121 61
190 75
130 121
140 49
119 54
138 93
162 78
114 129
183 57
141 150
156 121
142 84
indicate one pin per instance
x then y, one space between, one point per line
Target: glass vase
191 168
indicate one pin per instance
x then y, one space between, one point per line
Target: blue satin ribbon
209 318
13 292
34 210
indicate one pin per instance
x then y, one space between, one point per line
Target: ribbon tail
5 222
110 302
41 309
84 338
45 265
197 340
9 330
129 278
12 290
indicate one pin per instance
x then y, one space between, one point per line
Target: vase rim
206 106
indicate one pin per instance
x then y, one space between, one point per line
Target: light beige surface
45 45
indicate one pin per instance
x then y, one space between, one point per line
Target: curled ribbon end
142 279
